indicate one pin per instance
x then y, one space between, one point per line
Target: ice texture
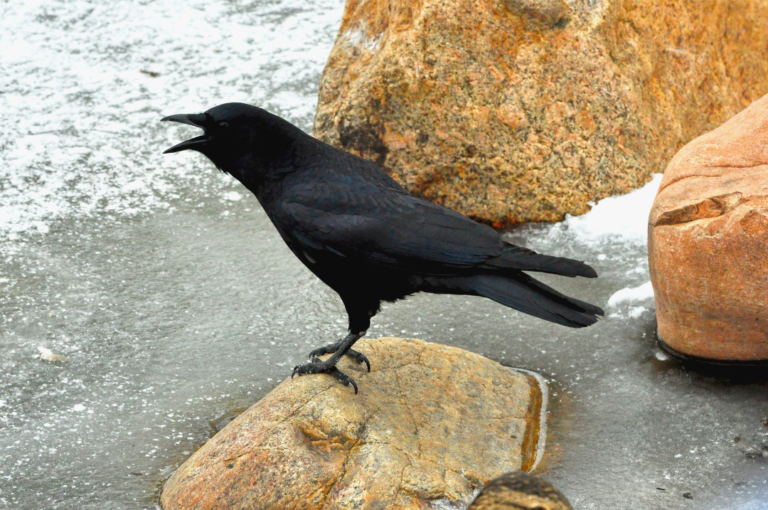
84 85
175 302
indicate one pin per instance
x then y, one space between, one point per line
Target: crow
365 236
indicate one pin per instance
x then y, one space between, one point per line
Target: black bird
365 236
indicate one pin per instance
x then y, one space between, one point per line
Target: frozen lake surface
175 302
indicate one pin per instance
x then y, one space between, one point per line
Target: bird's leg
329 366
334 347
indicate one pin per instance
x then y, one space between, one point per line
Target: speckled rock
520 491
430 423
708 243
524 110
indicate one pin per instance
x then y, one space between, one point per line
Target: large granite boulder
708 243
524 110
430 423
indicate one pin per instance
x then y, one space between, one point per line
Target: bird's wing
357 219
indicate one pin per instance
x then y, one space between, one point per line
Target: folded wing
394 230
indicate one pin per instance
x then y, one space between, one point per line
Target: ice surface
175 302
85 83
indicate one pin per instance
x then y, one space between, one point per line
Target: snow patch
631 295
619 218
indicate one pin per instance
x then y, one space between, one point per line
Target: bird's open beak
194 119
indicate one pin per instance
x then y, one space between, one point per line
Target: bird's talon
327 349
359 357
364 359
343 378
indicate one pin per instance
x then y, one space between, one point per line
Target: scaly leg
329 366
334 347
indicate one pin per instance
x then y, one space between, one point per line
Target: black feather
523 259
361 232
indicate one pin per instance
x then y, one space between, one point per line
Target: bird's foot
321 367
332 348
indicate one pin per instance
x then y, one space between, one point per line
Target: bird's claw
318 367
326 349
330 349
343 378
359 357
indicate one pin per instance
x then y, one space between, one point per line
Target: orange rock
439 91
431 422
708 243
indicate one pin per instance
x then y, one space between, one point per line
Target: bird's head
239 139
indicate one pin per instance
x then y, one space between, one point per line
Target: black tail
523 259
521 292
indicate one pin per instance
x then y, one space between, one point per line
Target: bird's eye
223 125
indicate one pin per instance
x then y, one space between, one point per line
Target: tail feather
534 298
523 259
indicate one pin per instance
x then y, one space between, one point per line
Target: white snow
631 295
614 236
620 218
78 408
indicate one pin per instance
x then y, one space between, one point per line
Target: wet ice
172 313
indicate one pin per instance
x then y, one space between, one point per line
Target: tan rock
520 491
708 243
524 110
430 422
